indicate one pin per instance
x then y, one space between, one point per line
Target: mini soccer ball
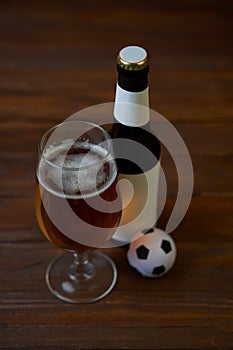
152 253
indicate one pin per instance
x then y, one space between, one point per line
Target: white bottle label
129 108
141 212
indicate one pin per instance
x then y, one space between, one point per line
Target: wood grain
59 57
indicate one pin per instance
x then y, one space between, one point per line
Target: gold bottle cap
133 58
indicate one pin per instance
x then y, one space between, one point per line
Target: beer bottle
138 150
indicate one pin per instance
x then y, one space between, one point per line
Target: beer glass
78 208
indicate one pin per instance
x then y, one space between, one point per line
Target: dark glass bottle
137 157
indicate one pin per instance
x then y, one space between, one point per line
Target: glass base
92 282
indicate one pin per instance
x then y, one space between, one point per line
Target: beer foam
77 174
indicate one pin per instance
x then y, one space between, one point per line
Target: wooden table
59 57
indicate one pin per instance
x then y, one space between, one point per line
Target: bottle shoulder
140 155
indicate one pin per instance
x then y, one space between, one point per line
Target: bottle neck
132 108
132 98
134 81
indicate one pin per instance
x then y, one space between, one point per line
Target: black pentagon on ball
166 246
158 270
142 252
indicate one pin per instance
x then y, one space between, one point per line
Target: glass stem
81 268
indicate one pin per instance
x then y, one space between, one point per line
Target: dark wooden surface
59 57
